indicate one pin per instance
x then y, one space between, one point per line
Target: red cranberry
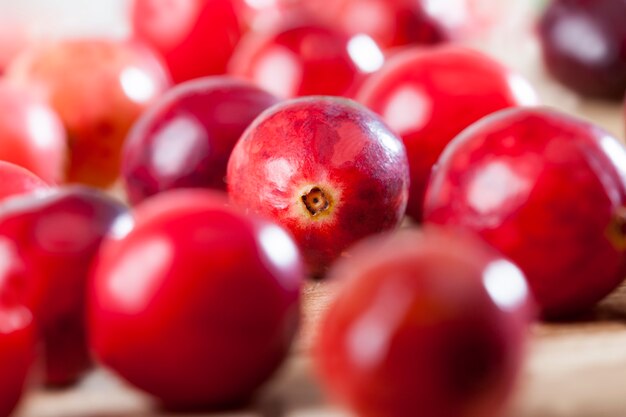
391 23
17 335
31 134
198 304
327 169
185 140
58 235
425 323
306 59
99 88
430 96
584 45
196 37
548 191
15 180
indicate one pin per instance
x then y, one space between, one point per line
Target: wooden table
574 369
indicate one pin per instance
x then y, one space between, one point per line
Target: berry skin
186 138
325 168
549 192
428 323
428 96
15 180
198 304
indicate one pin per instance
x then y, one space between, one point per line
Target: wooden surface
575 369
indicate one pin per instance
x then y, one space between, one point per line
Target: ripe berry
15 180
186 138
428 96
198 304
327 169
583 45
196 37
549 192
425 324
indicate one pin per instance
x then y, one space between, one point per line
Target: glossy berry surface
15 180
17 334
327 169
584 46
424 324
98 88
548 191
57 235
196 37
301 59
186 138
430 96
31 134
198 304
391 23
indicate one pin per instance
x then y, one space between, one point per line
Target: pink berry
186 138
31 133
301 59
424 324
57 235
327 169
98 88
548 191
429 96
198 304
196 37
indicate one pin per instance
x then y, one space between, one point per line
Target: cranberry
548 191
17 335
306 59
58 235
198 304
391 23
31 134
584 45
327 169
185 139
425 323
430 96
15 180
196 37
99 88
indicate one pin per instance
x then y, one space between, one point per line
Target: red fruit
327 169
426 324
584 45
196 37
31 134
17 336
57 236
185 139
198 304
430 96
306 59
391 23
549 192
99 88
15 180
